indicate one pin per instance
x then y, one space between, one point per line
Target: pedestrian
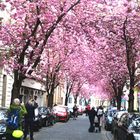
100 116
15 116
87 109
91 115
31 105
75 109
96 123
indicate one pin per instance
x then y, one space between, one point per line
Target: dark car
3 118
108 118
128 127
47 117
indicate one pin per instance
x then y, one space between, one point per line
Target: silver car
3 118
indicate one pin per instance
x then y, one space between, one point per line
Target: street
72 130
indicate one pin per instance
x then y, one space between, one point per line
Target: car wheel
106 127
45 123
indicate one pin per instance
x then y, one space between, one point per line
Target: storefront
33 89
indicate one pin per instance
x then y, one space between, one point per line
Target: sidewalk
108 135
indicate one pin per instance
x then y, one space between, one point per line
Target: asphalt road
72 130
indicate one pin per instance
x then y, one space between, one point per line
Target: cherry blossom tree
26 34
125 32
79 41
115 25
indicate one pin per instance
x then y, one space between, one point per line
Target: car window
3 115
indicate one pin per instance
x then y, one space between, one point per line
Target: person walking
100 116
15 116
87 109
31 105
75 109
91 115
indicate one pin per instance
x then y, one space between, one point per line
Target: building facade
33 89
6 83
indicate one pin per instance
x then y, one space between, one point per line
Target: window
70 100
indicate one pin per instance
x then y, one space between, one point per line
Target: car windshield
61 109
111 113
42 110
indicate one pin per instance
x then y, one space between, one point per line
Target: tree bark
131 101
66 100
50 100
75 99
118 98
130 57
18 78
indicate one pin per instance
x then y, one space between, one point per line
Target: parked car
108 118
3 118
116 117
47 117
128 127
61 112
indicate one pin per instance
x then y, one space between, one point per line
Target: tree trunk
50 100
118 98
131 95
131 101
66 100
75 99
15 91
18 78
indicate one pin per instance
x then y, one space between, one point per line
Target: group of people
18 112
95 117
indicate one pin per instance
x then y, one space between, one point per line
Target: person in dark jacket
91 115
75 109
29 118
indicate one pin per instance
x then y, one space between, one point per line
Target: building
31 88
6 83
